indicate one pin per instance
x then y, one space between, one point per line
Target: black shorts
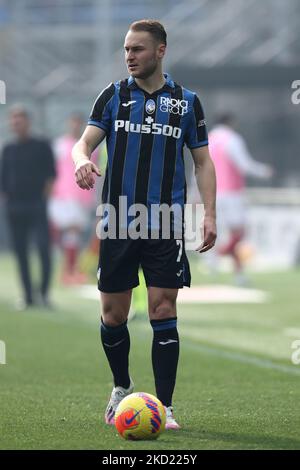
164 263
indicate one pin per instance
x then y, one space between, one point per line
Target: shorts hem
167 285
115 290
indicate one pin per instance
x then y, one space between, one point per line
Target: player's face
142 53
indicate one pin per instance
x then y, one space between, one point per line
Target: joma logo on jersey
153 128
174 106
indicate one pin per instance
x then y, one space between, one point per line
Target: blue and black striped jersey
145 135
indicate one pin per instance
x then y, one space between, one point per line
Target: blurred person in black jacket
27 174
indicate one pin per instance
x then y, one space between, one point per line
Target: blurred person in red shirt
70 208
233 162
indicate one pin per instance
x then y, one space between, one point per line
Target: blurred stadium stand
56 55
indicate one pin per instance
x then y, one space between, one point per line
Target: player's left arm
196 138
206 182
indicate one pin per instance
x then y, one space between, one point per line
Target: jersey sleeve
101 112
196 134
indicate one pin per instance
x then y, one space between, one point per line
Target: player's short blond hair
154 27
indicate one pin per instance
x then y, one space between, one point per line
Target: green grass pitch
236 388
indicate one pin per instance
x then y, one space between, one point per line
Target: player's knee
112 320
113 315
162 309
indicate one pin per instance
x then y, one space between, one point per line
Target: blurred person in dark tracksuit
26 178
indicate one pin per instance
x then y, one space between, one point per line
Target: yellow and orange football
140 416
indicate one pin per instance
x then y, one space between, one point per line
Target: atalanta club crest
150 106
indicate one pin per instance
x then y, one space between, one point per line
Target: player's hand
210 234
84 174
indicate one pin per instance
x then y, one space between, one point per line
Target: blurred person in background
233 163
70 208
27 175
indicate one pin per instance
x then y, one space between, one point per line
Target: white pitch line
242 358
221 294
236 357
213 294
293 332
88 291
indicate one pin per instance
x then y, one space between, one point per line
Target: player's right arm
99 125
81 154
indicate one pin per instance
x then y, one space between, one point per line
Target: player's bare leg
115 307
116 344
165 346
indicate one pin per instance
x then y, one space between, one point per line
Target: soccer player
146 119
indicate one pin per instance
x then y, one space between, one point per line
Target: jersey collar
168 86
